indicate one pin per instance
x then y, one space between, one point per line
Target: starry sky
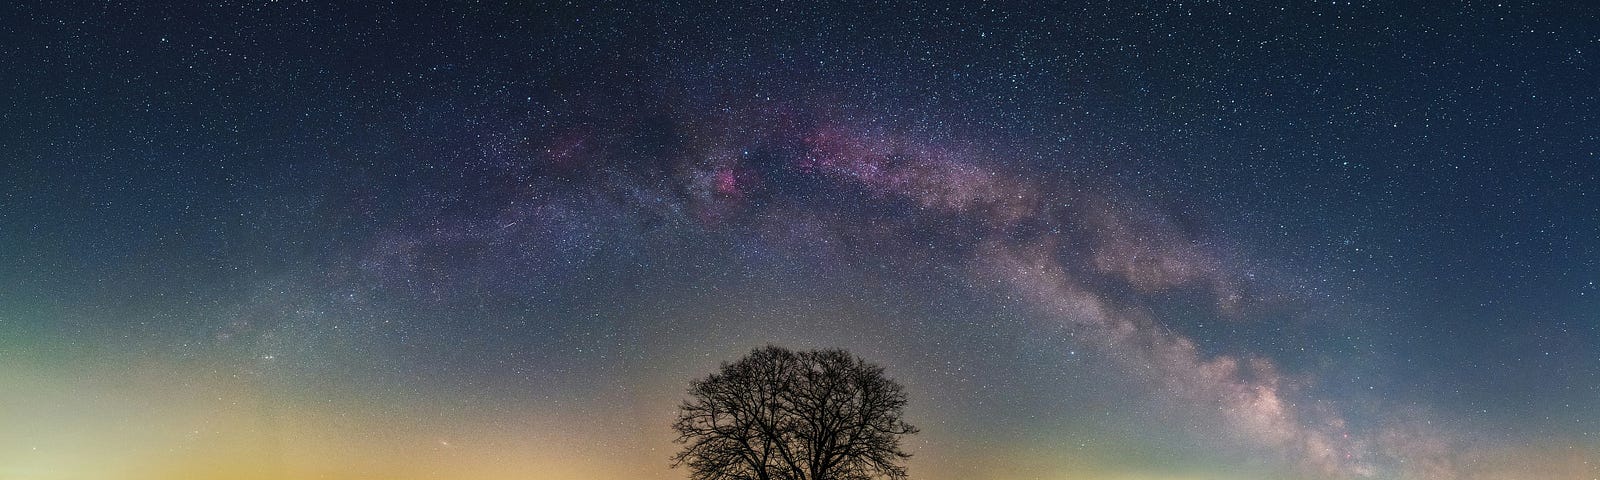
494 240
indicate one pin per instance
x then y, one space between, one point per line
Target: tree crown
778 414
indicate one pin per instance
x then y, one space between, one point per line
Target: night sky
1123 240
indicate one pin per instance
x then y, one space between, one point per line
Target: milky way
1055 251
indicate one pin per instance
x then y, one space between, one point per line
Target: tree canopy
778 414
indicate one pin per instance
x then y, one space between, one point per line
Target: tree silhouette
778 414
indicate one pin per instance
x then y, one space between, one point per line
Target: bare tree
778 414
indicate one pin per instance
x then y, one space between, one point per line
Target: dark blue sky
1346 238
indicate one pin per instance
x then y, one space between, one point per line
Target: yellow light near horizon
139 420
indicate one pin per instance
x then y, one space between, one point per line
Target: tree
778 414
